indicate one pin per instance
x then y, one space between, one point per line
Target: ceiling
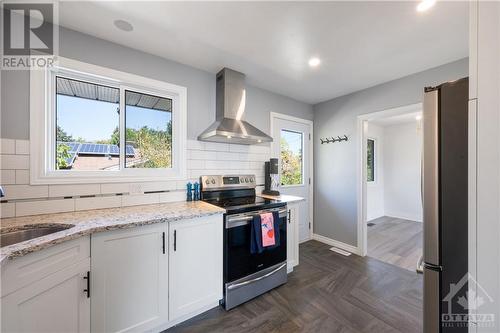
398 119
360 44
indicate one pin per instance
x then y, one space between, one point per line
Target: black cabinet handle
289 216
87 277
175 240
163 240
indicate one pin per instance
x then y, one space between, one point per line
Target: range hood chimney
229 127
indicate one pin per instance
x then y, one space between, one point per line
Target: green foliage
370 160
61 135
62 155
291 165
153 146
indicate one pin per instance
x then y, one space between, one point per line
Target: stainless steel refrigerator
444 180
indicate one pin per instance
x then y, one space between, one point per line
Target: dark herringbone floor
327 292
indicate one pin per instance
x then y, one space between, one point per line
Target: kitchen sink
17 236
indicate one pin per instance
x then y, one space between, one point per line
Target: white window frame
43 124
375 164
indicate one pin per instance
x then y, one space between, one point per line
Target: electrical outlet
135 189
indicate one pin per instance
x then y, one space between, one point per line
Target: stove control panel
222 182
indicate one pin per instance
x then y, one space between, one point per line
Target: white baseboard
337 244
404 216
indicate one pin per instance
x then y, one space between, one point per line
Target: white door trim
276 115
361 137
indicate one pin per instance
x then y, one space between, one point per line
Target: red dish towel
267 227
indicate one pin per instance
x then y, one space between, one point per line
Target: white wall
375 203
402 153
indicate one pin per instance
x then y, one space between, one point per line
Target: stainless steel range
246 274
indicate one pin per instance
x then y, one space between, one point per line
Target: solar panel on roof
129 150
71 159
76 148
114 150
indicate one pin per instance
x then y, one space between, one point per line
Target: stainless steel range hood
229 127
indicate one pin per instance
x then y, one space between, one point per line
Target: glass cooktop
245 204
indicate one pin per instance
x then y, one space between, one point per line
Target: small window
291 147
370 160
148 134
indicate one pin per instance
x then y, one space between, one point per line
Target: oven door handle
244 283
245 219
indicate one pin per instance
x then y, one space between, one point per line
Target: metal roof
75 88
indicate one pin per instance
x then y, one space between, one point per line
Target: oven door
239 262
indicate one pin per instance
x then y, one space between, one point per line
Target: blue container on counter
189 191
196 195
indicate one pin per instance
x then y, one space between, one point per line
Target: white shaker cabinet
292 246
46 291
129 282
195 267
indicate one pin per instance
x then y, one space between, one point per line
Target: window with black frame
370 160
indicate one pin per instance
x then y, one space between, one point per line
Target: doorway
292 146
390 185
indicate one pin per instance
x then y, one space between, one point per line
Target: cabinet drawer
19 272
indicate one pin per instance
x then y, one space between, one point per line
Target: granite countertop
92 221
283 198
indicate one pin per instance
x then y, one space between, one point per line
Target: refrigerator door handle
420 265
430 178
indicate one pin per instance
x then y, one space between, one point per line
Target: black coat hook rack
333 140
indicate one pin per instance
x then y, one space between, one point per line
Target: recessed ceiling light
418 117
314 62
425 5
123 25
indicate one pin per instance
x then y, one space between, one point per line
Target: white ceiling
360 44
396 120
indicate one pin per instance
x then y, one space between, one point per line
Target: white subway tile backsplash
215 146
7 146
98 202
22 177
144 199
201 155
25 208
216 164
238 165
159 186
14 162
7 209
239 148
203 158
225 156
257 166
25 192
7 177
173 196
195 145
111 188
22 147
73 190
195 164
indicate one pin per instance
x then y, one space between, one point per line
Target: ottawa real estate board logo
29 35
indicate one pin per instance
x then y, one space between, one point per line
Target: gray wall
200 85
335 211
